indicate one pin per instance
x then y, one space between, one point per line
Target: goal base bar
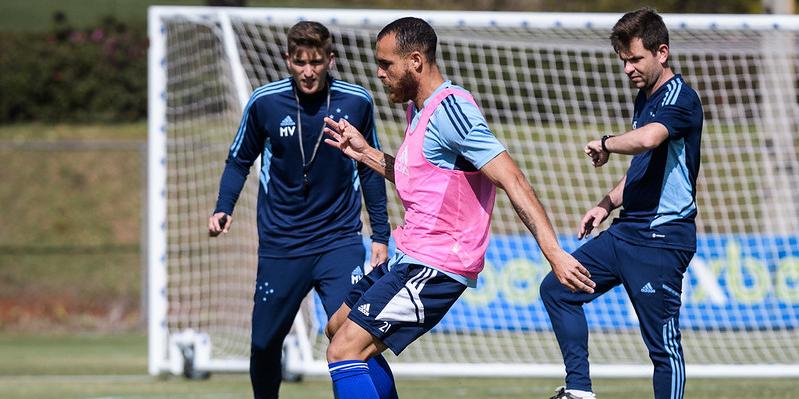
511 370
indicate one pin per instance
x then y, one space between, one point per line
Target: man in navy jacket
309 197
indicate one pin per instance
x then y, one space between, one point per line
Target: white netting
545 93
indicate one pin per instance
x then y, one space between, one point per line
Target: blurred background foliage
69 74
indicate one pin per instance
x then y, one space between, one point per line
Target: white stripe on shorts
406 305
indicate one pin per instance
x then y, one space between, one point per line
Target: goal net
548 84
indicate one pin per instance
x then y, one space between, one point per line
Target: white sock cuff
581 394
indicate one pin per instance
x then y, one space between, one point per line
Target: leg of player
346 356
335 273
391 307
379 370
653 281
280 287
565 309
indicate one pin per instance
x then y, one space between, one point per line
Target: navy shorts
398 303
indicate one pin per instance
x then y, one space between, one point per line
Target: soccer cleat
561 393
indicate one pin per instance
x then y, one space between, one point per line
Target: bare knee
337 351
341 348
352 342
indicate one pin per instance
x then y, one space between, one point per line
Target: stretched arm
599 213
350 141
504 173
633 142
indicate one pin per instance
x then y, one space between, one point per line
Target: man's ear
331 62
663 53
416 59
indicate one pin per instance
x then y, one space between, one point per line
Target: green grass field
73 253
91 366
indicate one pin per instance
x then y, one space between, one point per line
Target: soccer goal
547 83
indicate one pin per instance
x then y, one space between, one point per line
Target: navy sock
382 377
351 380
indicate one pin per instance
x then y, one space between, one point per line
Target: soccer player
445 174
309 199
648 247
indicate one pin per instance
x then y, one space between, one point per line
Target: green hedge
71 75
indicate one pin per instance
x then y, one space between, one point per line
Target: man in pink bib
446 173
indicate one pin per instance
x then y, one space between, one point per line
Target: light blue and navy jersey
457 138
293 220
457 135
659 204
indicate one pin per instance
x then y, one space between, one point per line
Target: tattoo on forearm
527 220
383 164
388 166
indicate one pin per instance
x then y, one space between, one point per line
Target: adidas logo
287 127
401 163
364 309
647 289
287 121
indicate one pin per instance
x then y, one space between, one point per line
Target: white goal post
547 83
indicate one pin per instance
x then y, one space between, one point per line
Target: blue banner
733 282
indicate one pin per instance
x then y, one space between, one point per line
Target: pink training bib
447 212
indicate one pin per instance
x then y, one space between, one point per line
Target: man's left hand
379 254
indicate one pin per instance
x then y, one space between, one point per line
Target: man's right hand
571 273
216 224
346 138
591 220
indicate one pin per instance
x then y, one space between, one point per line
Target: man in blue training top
309 200
648 247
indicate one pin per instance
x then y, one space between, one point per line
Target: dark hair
309 34
412 34
643 23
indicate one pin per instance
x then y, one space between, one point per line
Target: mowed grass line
238 386
98 366
70 252
73 355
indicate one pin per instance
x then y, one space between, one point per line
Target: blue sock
351 380
382 377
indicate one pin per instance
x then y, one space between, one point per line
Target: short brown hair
309 34
644 24
412 34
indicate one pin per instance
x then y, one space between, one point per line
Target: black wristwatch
603 140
